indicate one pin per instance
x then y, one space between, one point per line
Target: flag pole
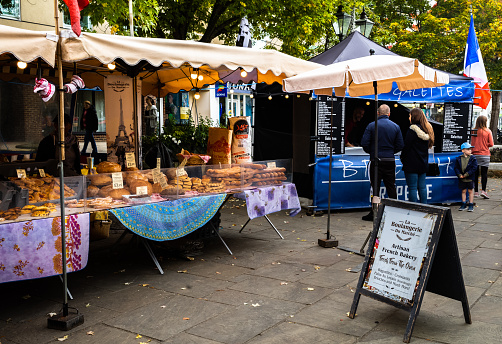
64 320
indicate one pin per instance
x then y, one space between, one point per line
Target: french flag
474 68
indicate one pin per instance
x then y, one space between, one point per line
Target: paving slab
185 338
496 245
290 332
488 309
245 321
286 271
444 306
479 277
176 314
334 276
484 258
317 255
383 337
496 288
210 269
106 334
277 289
444 329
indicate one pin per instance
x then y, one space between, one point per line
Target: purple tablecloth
32 249
270 199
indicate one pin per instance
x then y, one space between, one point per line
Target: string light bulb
232 91
251 96
310 98
21 64
243 73
197 95
368 103
201 77
269 97
395 105
297 96
286 96
194 73
111 66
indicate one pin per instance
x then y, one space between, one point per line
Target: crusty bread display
43 189
100 179
108 167
246 175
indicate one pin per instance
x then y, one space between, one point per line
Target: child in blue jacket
465 169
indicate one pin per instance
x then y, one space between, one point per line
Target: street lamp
344 23
364 24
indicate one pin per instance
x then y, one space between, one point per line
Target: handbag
433 170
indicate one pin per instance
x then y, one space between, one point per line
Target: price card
41 172
271 164
158 163
163 183
157 176
21 173
117 180
130 159
142 190
180 172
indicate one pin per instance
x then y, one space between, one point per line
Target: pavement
269 291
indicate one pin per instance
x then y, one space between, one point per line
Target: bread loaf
138 183
108 167
100 179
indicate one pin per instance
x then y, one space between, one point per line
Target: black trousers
387 173
484 178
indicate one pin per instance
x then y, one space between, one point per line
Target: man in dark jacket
390 141
89 122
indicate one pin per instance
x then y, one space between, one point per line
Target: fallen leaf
255 305
317 267
51 314
88 305
310 289
286 221
62 339
284 283
145 285
303 240
162 306
186 318
90 333
190 258
218 273
183 288
127 283
182 271
139 336
123 270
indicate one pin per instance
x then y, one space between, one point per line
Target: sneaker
463 206
484 194
471 207
368 217
476 194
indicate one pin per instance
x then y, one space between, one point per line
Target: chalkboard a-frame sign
412 249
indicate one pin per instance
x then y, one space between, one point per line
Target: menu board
457 123
326 108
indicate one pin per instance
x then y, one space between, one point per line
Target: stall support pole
329 241
62 321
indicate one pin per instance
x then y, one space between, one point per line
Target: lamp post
345 22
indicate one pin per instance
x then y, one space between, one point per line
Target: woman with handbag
482 140
415 155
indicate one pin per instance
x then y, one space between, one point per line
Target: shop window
97 98
10 9
85 21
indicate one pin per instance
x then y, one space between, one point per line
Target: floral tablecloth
170 220
266 200
33 249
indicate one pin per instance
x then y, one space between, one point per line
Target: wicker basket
100 229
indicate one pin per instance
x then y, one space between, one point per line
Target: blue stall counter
350 184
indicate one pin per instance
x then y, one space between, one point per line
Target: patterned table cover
270 199
169 220
32 249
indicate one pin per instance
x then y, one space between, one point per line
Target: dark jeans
484 178
89 137
416 182
387 173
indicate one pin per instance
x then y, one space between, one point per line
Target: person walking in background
481 140
465 168
390 141
151 116
89 123
415 155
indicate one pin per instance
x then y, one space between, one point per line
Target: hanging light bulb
201 77
194 73
286 96
21 64
111 66
243 73
251 95
297 96
269 97
395 105
232 91
310 98
368 103
197 95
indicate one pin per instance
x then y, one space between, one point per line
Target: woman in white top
151 114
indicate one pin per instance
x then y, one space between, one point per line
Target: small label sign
157 176
41 172
163 183
158 163
117 180
142 190
180 172
271 164
130 159
21 173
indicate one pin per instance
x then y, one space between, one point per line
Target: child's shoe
476 194
463 206
471 207
484 194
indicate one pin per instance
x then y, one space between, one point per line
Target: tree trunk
494 121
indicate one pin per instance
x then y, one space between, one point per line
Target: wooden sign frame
440 273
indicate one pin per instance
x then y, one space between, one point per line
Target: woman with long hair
482 140
415 155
